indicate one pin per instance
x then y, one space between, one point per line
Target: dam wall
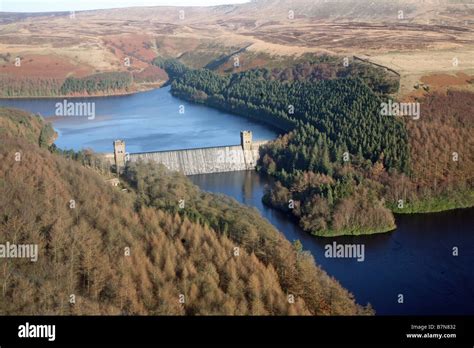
197 161
203 160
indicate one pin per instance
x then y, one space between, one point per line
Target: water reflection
414 260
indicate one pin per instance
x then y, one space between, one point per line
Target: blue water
148 121
416 260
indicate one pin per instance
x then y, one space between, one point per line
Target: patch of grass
458 200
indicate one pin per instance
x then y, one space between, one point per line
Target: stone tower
119 155
246 140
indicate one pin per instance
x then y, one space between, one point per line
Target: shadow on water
416 260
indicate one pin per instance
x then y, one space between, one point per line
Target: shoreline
434 211
437 204
387 229
119 94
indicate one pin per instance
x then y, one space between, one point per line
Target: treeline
150 74
207 87
329 196
329 191
345 110
108 82
140 252
332 123
98 83
442 153
86 157
296 270
312 68
173 67
19 124
326 67
407 166
29 87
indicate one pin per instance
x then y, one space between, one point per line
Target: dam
206 160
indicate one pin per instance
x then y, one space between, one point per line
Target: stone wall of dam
204 160
197 161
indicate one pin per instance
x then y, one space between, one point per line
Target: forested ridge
39 87
103 82
345 110
442 156
326 67
181 259
29 87
312 68
341 166
331 123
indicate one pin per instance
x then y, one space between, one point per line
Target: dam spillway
204 160
200 160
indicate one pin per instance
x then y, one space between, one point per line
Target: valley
361 114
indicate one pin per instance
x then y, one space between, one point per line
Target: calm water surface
415 260
148 121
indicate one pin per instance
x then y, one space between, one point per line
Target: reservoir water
148 121
415 261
